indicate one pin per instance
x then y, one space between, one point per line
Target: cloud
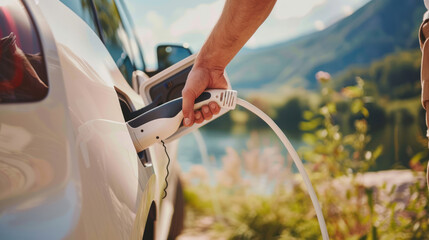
192 23
199 19
319 25
149 41
347 10
294 9
155 19
151 32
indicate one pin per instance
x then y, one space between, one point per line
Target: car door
116 187
37 190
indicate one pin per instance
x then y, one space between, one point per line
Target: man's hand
238 22
199 79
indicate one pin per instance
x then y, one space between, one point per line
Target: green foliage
412 221
268 218
353 208
396 76
290 115
329 148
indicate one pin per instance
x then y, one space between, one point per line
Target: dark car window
115 37
83 9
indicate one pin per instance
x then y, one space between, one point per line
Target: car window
83 9
137 56
23 76
115 37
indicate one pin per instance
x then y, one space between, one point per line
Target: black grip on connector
204 96
167 110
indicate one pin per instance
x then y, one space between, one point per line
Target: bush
290 115
258 196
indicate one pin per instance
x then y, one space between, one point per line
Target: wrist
209 61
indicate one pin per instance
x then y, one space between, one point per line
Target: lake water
400 143
217 142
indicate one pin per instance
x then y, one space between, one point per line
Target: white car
70 77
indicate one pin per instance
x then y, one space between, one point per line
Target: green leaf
309 138
332 108
352 92
356 106
377 152
349 139
416 158
365 112
310 125
307 115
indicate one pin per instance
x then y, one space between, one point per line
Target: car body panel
36 158
83 178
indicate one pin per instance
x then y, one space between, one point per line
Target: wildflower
323 77
198 173
230 174
368 155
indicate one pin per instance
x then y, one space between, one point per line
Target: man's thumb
188 106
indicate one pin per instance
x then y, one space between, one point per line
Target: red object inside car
23 75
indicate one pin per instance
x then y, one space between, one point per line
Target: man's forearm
238 22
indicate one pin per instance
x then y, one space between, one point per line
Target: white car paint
72 170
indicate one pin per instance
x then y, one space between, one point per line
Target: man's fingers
198 117
207 114
188 107
214 107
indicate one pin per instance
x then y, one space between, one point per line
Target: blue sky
190 21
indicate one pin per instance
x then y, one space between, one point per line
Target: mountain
379 28
396 76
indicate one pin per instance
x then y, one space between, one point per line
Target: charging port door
167 84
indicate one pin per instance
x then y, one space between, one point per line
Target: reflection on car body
69 74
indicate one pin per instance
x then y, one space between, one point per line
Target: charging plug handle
166 110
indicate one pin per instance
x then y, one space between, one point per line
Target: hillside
379 28
396 76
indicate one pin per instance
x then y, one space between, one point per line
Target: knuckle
206 110
188 93
197 115
185 92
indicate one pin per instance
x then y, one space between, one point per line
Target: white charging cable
295 158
